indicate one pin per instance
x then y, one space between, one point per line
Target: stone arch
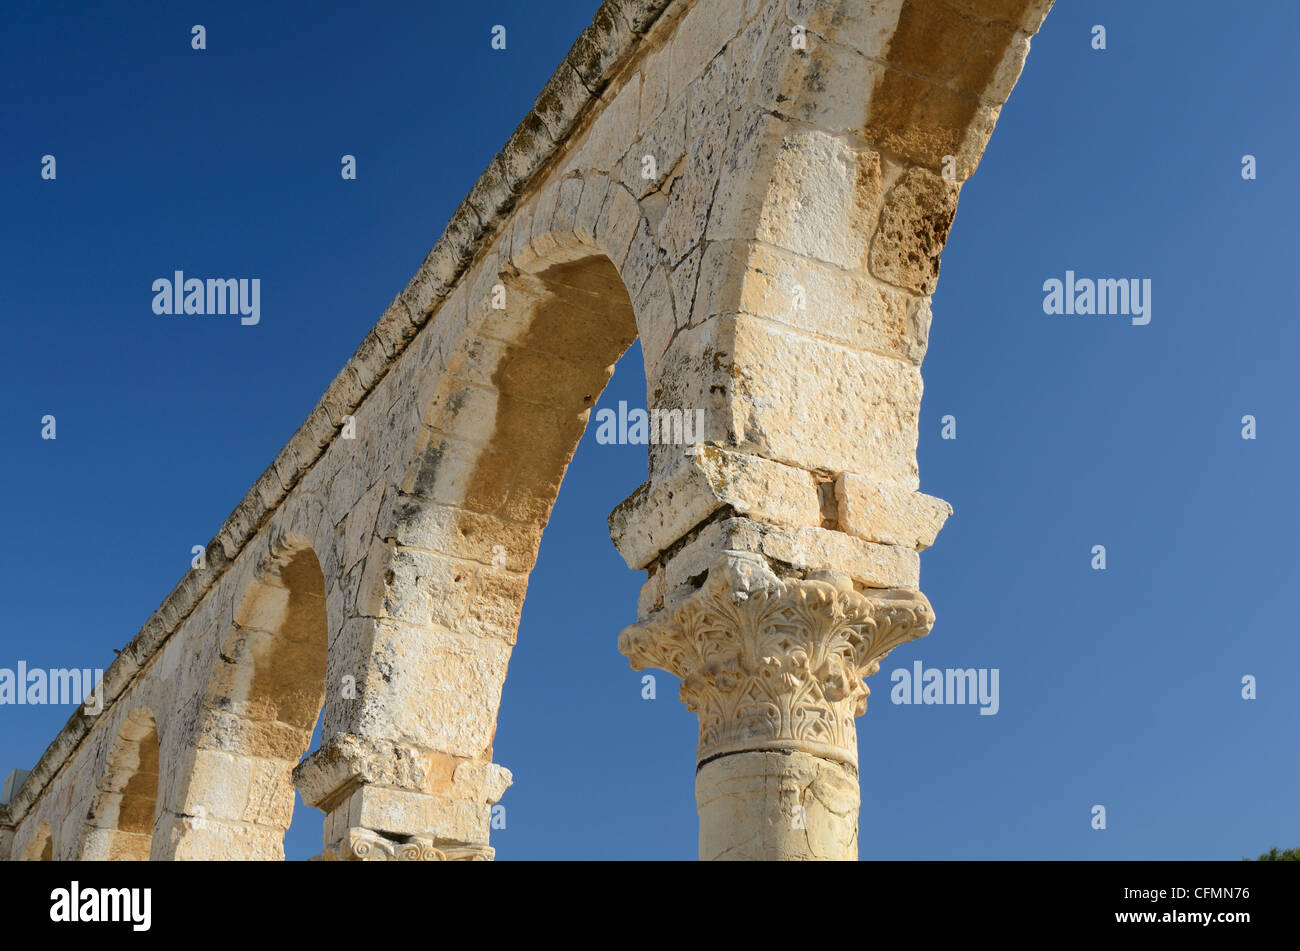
845 162
572 268
120 824
591 224
588 222
255 723
778 270
507 415
445 592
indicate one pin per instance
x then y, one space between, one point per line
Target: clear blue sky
1120 688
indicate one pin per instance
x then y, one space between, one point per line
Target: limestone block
881 512
702 34
496 606
243 736
480 782
923 121
683 282
838 106
543 242
422 588
691 198
869 564
619 221
913 230
614 130
238 788
466 410
561 100
566 205
749 50
598 46
527 149
718 287
654 87
823 200
469 536
994 63
325 777
932 39
704 101
486 272
443 688
790 394
656 320
660 513
394 811
594 190
359 527
215 840
976 138
402 812
847 306
867 25
453 472
651 597
664 142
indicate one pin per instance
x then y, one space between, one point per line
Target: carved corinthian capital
362 845
776 663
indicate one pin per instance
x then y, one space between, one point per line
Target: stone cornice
601 51
776 663
346 761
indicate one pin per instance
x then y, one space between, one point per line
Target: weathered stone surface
791 391
660 513
913 230
846 306
768 806
881 512
776 260
824 199
870 565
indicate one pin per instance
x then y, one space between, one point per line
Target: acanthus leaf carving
773 663
364 845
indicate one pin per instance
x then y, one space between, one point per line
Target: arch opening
499 430
258 717
120 824
581 324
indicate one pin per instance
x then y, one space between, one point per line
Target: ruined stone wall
758 191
